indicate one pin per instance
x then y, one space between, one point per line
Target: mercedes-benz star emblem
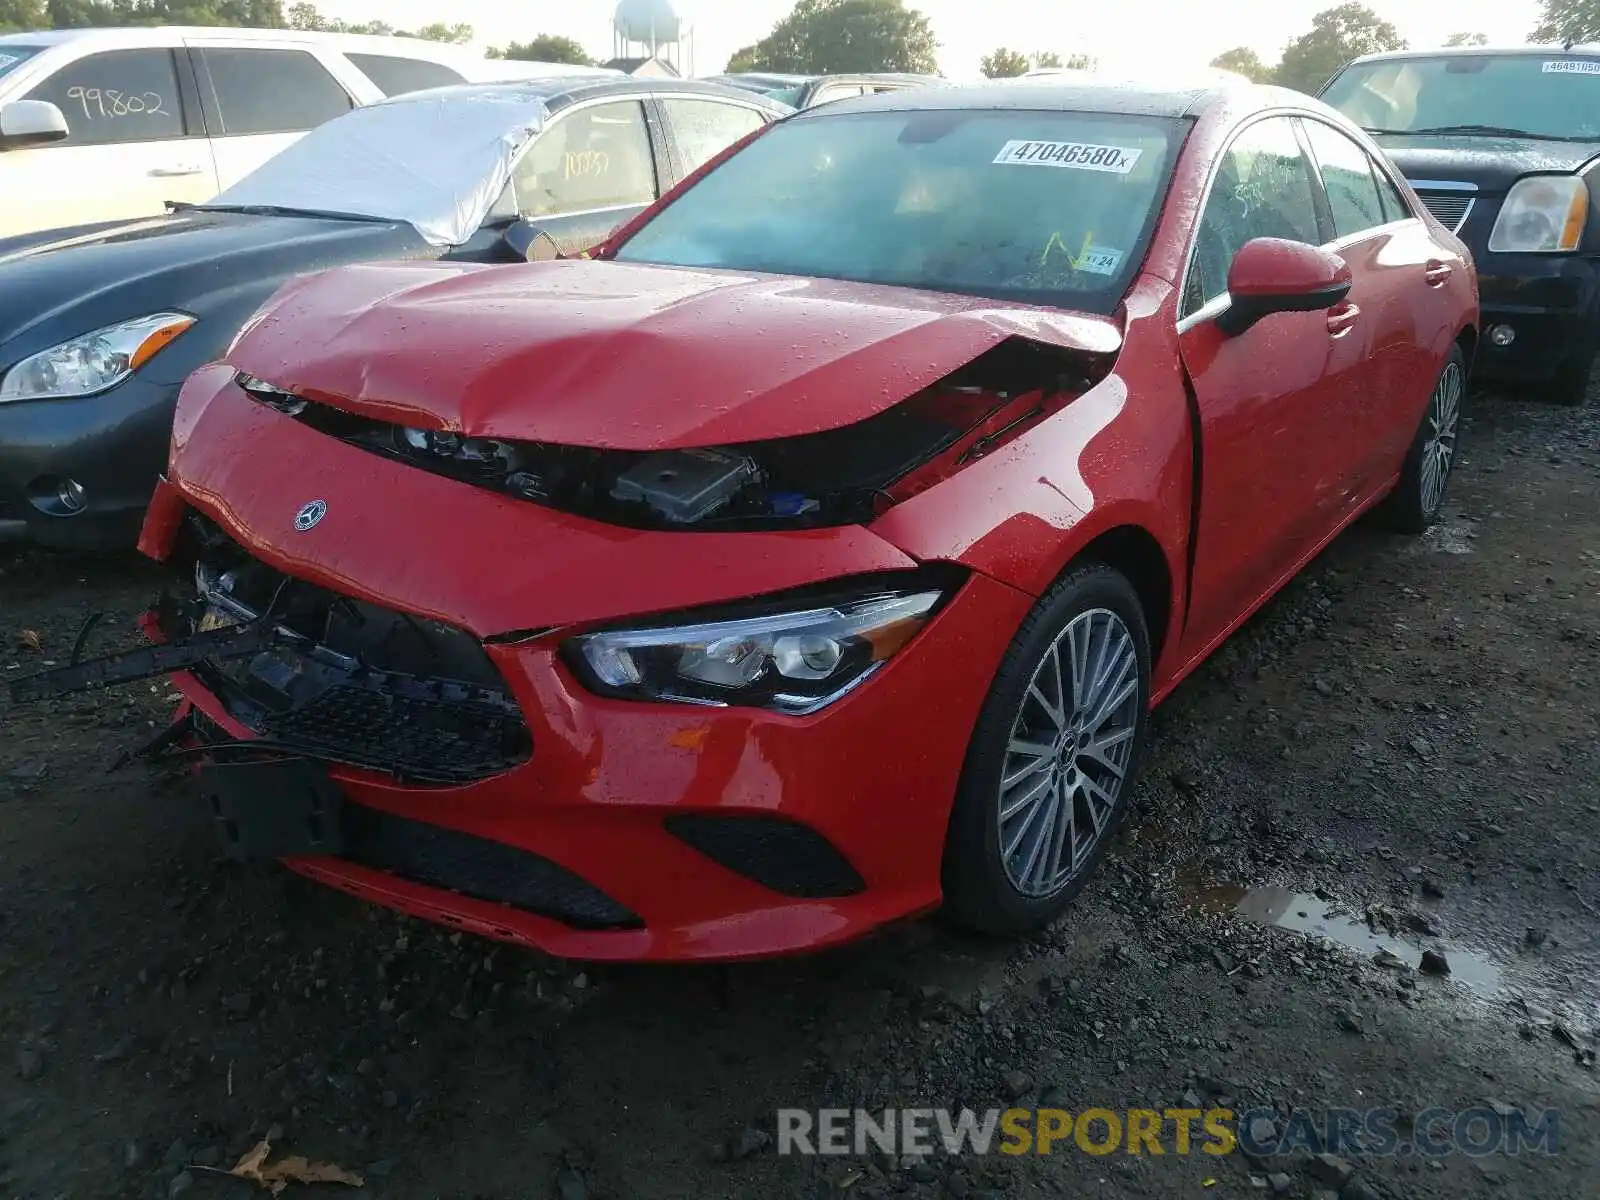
310 514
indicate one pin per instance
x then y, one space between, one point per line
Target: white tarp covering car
366 163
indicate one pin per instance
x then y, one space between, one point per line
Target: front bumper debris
147 662
311 673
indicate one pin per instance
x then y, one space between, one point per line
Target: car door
590 169
698 128
260 99
135 140
1399 273
1268 406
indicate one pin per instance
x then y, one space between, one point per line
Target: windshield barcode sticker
1079 156
1573 66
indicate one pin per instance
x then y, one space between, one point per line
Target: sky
1135 33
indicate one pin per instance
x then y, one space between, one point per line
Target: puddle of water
1304 913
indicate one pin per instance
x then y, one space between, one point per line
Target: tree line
1339 34
834 36
817 37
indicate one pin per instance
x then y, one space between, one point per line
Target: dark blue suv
1503 146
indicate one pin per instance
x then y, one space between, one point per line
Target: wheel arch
1137 554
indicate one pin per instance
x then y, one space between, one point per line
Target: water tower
653 29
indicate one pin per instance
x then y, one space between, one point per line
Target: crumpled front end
422 661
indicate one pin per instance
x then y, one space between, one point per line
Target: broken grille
353 682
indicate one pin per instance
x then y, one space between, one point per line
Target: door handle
1436 273
174 172
1342 320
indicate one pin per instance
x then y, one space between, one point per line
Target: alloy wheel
1070 753
1439 449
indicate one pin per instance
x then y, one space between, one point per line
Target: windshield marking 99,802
1042 207
1553 96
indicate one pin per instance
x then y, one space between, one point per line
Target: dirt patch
1408 736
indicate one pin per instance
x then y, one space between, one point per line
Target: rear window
1045 207
11 56
1554 95
395 76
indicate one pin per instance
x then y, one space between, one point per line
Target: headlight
1542 214
795 662
94 362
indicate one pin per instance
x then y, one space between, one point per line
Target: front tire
1053 756
1425 477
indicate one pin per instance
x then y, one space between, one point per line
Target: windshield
11 56
1042 207
436 160
1545 96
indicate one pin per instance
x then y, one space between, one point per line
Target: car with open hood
100 324
812 555
1503 146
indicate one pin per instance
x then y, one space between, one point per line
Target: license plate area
274 808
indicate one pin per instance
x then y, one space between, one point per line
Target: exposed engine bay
835 477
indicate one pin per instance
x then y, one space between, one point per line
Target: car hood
67 282
1493 163
624 356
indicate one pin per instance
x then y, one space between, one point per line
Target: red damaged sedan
811 557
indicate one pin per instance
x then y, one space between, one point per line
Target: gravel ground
1398 754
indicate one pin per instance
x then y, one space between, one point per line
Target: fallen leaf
275 1177
29 640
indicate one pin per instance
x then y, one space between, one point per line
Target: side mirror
528 241
30 123
1271 275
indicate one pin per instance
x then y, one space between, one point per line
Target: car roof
562 90
882 77
1586 50
775 77
145 35
1075 95
786 80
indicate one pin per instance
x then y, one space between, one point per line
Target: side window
396 76
1347 176
272 91
118 96
1263 188
704 128
1395 207
596 157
